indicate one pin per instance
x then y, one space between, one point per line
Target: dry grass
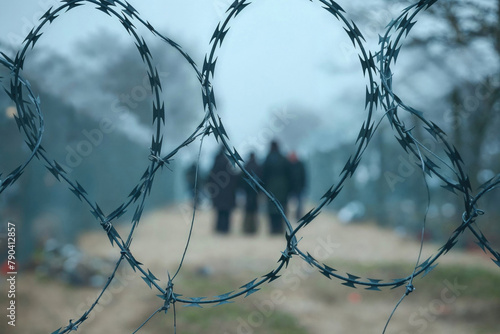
302 301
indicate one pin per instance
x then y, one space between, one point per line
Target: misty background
287 70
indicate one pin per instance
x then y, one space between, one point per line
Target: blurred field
462 295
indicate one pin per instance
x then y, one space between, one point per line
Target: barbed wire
34 132
377 72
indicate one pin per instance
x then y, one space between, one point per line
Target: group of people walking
283 177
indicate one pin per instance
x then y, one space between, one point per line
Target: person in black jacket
298 181
276 178
221 188
251 197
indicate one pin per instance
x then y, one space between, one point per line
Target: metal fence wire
377 70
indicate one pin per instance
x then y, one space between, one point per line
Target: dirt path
160 241
320 305
162 235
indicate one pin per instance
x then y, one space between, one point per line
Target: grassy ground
449 297
462 295
315 305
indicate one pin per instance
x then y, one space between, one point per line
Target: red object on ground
354 298
4 269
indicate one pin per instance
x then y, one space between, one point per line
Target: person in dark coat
276 178
251 197
221 187
298 181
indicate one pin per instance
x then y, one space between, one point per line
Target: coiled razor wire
376 68
25 118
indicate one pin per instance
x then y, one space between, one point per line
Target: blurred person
221 187
298 182
251 197
276 178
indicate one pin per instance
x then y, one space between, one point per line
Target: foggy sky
280 56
